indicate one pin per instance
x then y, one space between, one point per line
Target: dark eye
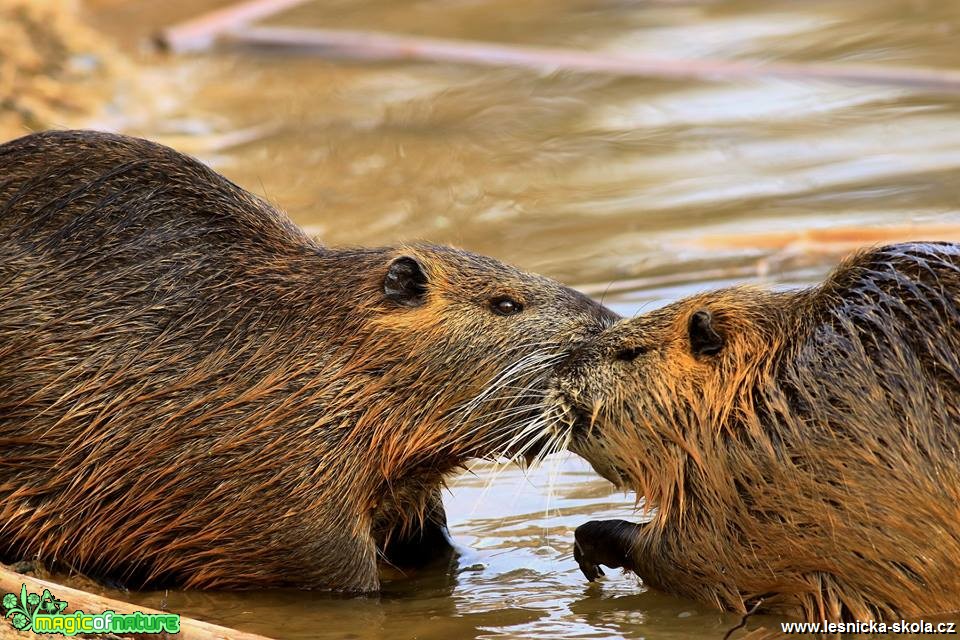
627 355
504 306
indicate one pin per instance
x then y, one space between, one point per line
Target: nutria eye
505 306
628 355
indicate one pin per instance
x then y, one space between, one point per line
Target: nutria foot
604 542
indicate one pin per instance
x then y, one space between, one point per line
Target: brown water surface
638 191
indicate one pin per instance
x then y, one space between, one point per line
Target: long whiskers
530 367
540 428
536 360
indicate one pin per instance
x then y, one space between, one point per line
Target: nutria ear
405 283
704 339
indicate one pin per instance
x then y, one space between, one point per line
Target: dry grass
54 70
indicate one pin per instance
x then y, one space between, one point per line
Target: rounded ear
704 339
405 282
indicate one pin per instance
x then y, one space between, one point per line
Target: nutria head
641 394
466 346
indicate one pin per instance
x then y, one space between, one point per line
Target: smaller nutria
800 448
195 393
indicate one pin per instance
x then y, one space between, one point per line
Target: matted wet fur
801 447
195 393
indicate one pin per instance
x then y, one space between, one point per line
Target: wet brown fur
813 462
195 393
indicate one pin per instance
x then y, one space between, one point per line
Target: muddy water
637 191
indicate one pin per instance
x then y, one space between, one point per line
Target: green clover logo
23 610
20 622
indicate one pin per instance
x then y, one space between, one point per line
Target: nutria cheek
595 451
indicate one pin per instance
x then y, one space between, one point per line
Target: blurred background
638 189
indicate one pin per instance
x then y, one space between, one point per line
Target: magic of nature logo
44 613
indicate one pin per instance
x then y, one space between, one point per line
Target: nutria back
195 393
800 448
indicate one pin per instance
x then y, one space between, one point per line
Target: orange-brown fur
812 461
193 392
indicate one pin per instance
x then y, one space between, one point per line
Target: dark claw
591 570
603 542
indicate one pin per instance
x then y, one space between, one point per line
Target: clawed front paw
603 542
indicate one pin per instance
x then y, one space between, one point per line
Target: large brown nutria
195 393
799 447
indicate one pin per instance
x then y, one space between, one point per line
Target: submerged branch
234 25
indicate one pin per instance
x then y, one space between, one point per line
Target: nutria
800 448
195 393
